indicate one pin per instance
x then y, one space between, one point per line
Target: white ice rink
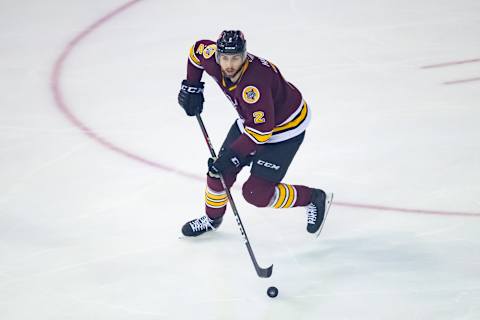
99 166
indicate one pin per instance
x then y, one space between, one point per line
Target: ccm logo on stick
268 164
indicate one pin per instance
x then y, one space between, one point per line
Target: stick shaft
261 272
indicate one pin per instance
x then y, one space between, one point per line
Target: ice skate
317 211
201 225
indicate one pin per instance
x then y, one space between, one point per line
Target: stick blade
264 272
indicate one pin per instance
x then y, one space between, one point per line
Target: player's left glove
226 160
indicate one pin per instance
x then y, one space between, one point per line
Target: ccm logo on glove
191 89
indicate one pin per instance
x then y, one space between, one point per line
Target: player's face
230 63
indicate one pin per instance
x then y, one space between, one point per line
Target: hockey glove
226 160
191 98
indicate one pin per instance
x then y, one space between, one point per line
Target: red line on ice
462 81
448 64
55 84
61 104
406 210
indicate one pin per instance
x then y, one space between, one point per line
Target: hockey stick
261 272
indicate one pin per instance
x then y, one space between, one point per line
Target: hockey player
271 127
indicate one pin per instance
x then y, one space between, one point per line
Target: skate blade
328 203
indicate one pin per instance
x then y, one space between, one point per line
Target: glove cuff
194 84
235 159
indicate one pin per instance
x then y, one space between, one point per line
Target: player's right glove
191 98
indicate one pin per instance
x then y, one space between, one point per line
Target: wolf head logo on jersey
250 94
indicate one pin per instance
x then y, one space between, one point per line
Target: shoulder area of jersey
263 63
205 48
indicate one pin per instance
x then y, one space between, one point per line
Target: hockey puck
272 292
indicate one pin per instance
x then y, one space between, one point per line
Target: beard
230 73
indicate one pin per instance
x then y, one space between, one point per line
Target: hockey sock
288 196
216 198
215 203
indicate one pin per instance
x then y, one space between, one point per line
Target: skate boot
201 225
317 211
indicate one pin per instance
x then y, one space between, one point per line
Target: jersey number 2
258 117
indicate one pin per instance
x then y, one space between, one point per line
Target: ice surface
92 198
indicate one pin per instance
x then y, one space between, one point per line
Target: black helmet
231 42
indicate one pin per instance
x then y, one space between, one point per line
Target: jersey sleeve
198 56
258 118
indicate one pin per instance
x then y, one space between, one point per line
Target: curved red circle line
61 104
65 110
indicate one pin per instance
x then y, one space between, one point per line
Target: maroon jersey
270 108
